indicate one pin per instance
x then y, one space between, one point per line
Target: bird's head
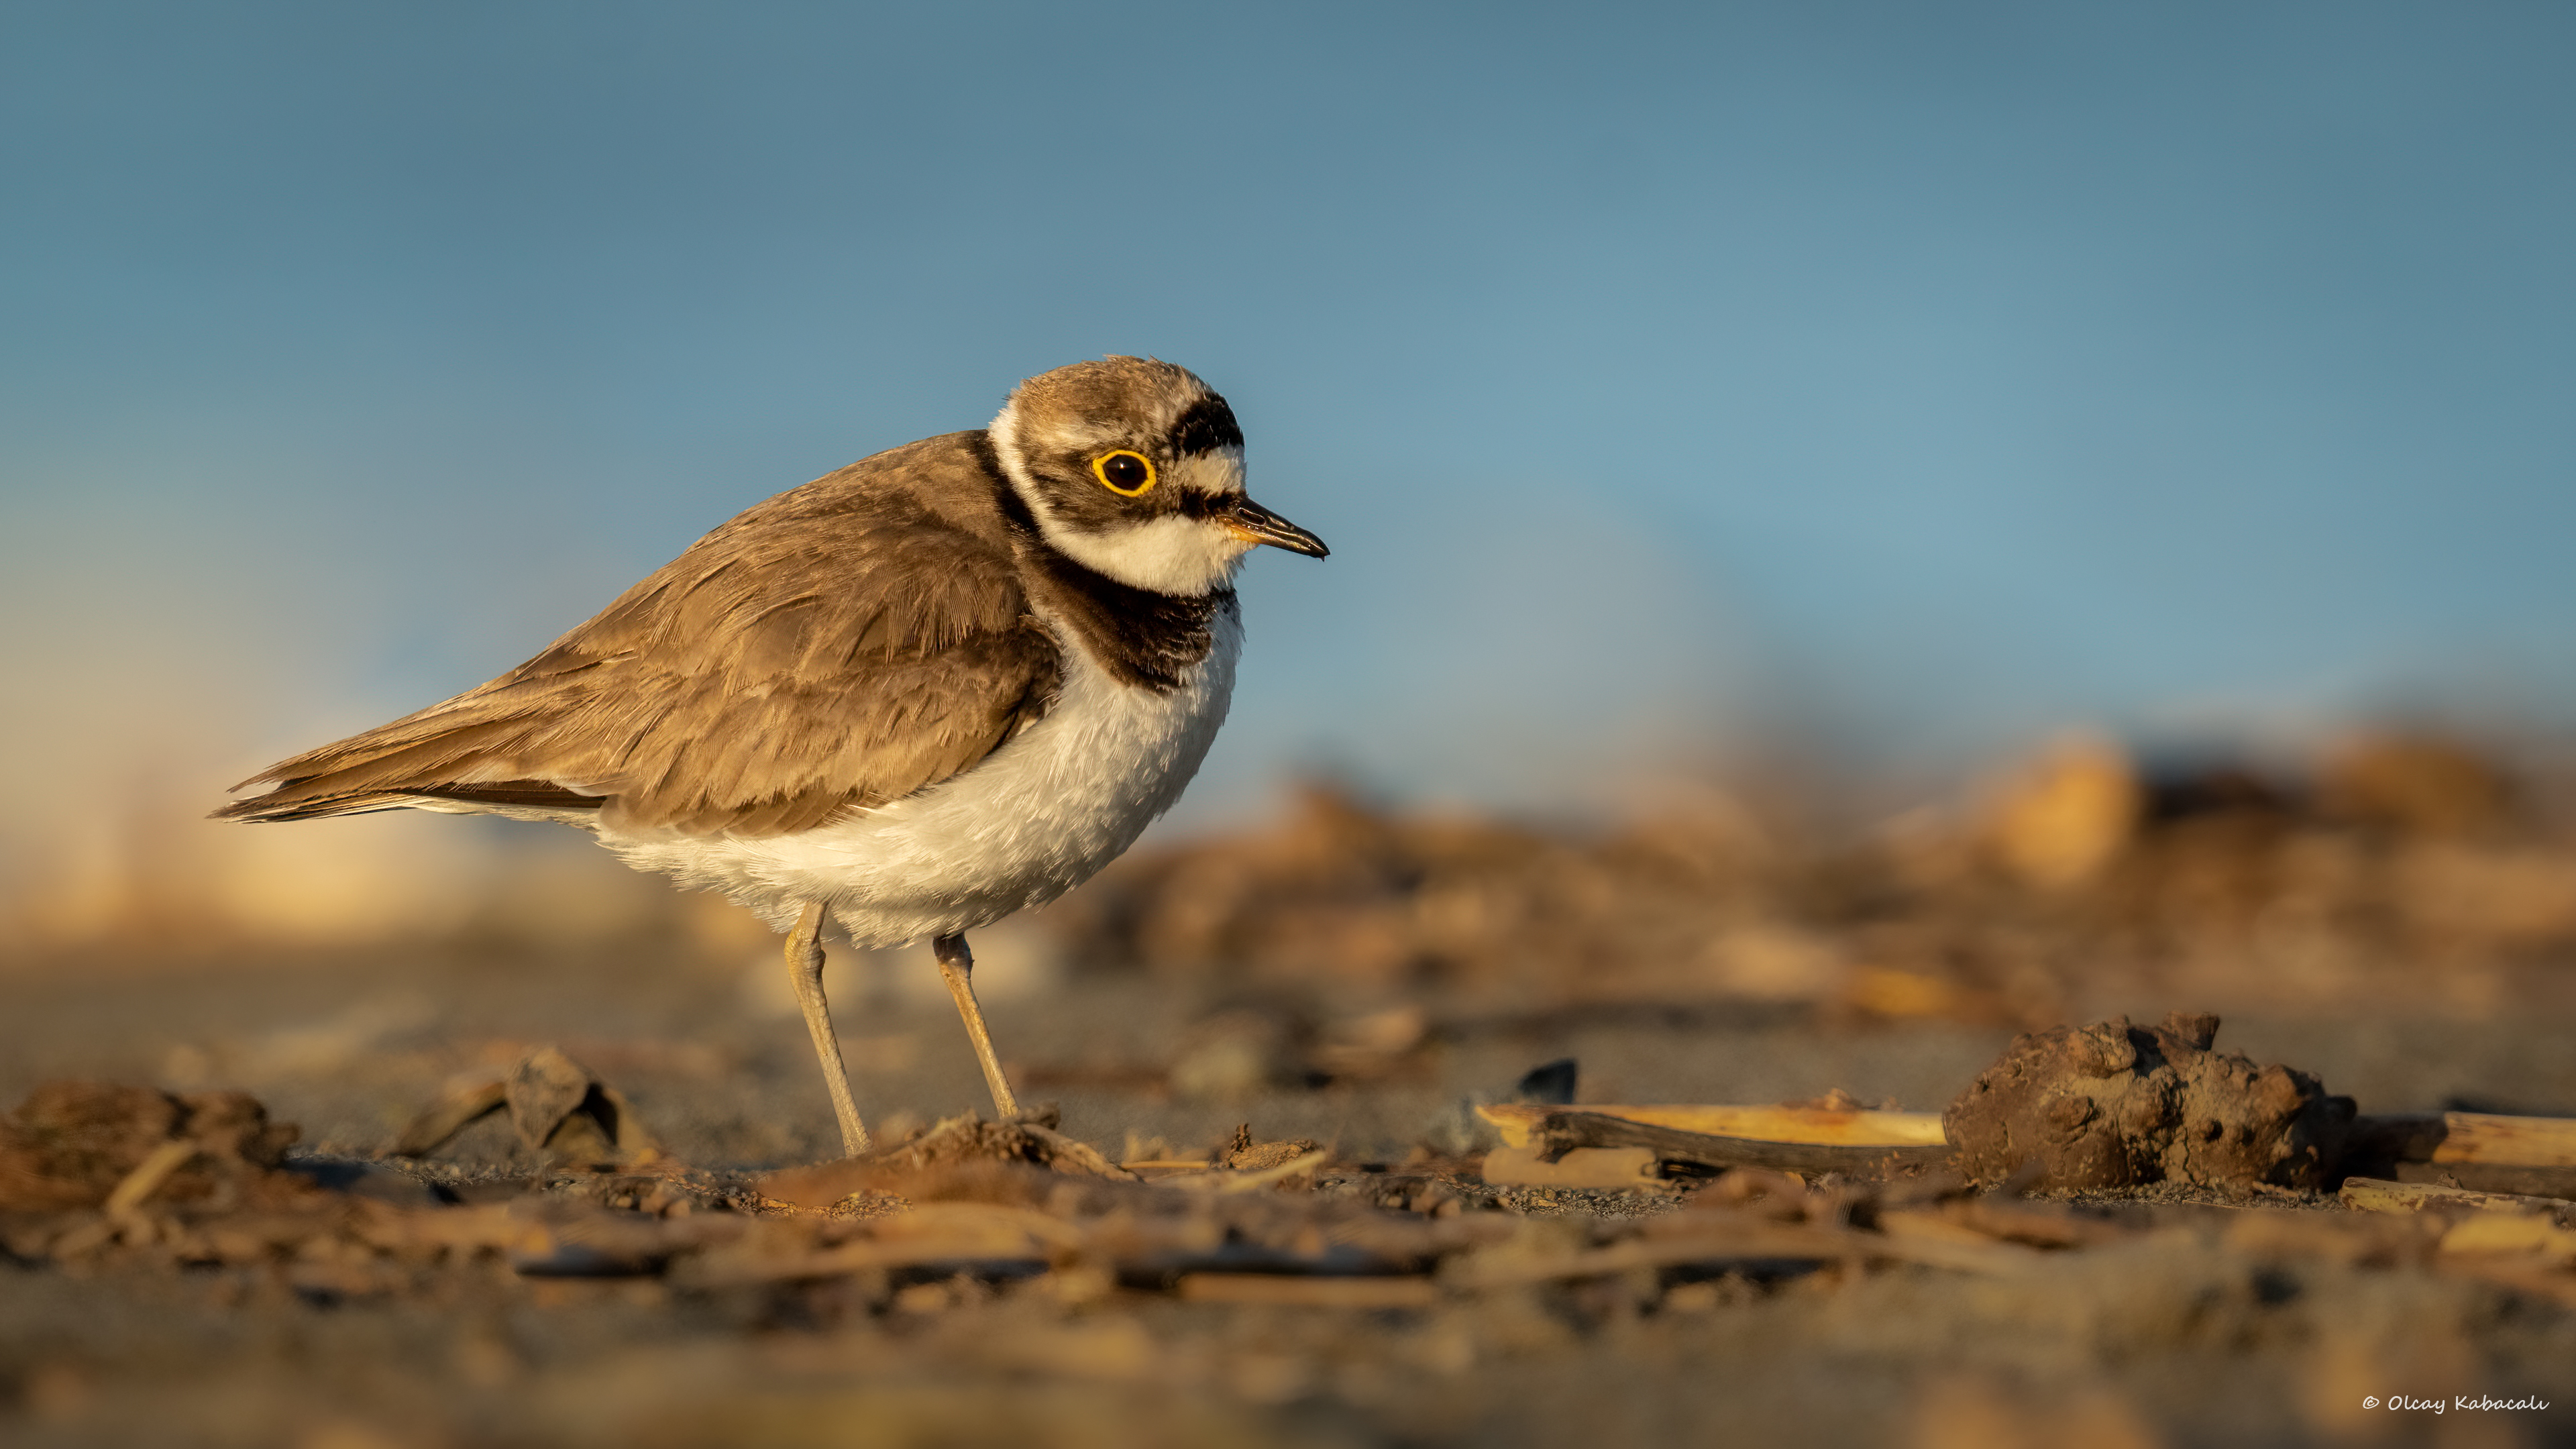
1134 468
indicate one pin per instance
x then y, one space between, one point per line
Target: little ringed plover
909 698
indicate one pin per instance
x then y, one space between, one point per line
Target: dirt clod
960 1154
71 1142
1244 1154
2117 1105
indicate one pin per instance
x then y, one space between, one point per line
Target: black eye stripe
1207 426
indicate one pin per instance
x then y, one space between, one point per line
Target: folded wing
794 665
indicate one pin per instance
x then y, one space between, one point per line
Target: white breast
1035 819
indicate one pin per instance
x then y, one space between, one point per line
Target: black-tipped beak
1250 520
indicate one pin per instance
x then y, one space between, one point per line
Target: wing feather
843 645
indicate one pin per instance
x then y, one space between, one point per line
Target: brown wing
822 652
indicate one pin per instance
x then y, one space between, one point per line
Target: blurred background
1858 529
1893 505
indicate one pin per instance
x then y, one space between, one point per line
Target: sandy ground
2185 1335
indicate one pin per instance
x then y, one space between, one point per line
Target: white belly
1035 819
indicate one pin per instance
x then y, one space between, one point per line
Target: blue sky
1930 375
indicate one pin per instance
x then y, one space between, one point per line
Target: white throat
1173 554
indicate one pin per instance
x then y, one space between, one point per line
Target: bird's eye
1123 472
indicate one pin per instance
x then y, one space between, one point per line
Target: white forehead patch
1218 472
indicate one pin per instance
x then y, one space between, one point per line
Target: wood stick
1563 1130
2558 1182
2376 1195
2480 1137
1516 1120
148 1175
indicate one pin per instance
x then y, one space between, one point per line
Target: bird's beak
1253 523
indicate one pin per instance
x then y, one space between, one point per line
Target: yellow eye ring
1124 473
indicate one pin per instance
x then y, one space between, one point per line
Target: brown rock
2116 1105
560 1109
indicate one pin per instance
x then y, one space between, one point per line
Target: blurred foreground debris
987 1201
92 1171
980 1265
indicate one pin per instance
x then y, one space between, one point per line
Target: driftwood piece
1563 1130
2480 1151
1844 1127
2460 1137
2377 1195
2557 1182
2525 1244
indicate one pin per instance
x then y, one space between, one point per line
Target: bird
948 682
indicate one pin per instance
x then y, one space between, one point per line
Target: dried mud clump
1028 1141
72 1142
1246 1154
2116 1105
963 1156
